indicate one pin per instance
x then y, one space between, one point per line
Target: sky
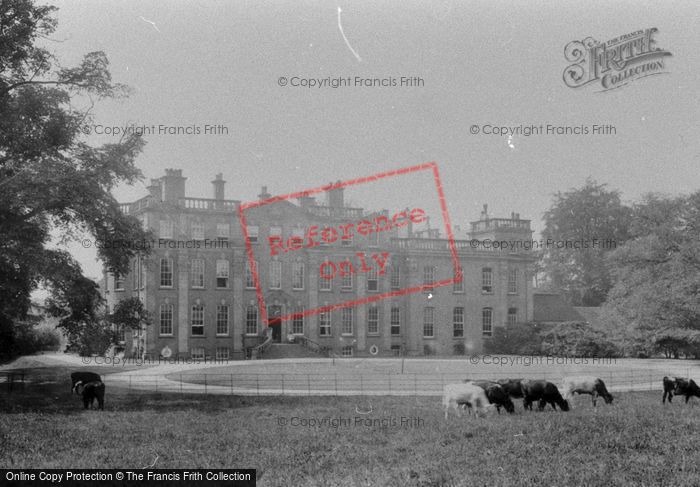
500 63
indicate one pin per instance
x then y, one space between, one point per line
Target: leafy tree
656 296
577 339
583 215
52 182
516 339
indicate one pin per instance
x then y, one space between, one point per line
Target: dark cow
495 394
512 387
94 390
544 392
78 379
680 387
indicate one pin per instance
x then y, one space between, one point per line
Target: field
635 441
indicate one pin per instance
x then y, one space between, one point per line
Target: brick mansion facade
199 287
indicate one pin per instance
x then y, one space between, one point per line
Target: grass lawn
637 441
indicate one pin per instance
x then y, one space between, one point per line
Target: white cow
586 385
454 395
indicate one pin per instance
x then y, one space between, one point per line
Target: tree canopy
52 181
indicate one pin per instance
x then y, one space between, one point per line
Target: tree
52 182
656 293
596 220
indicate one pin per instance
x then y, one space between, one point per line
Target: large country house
198 285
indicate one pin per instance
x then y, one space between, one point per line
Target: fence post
130 382
205 383
389 382
336 384
231 384
308 383
415 386
362 389
180 383
257 383
156 383
283 384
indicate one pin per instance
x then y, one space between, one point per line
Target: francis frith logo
614 63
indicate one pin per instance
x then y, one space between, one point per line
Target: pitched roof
552 307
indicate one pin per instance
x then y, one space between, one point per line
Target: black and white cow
586 385
79 379
495 394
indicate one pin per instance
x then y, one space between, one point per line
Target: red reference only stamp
325 238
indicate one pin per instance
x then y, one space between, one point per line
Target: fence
346 384
10 380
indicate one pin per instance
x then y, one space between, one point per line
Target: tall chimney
305 201
335 197
173 185
219 187
264 194
154 189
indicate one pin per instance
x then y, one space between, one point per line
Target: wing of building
198 282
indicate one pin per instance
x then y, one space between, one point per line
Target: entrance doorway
274 313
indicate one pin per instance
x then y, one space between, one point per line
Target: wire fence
342 383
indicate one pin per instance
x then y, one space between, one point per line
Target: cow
473 396
513 387
495 394
586 385
78 379
680 387
94 390
544 392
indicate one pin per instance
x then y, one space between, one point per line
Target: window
197 273
372 280
253 232
275 231
121 334
118 283
166 229
324 284
347 351
346 281
197 320
346 321
222 273
486 322
223 231
486 280
221 353
197 353
197 230
458 286
373 320
373 239
166 319
298 275
513 281
166 273
428 275
251 320
275 274
249 281
512 316
458 322
222 319
395 276
324 324
298 321
395 321
396 350
428 322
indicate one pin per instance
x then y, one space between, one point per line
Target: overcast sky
487 62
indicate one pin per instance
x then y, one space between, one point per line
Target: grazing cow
544 392
496 395
473 396
94 390
680 387
586 385
78 379
513 387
